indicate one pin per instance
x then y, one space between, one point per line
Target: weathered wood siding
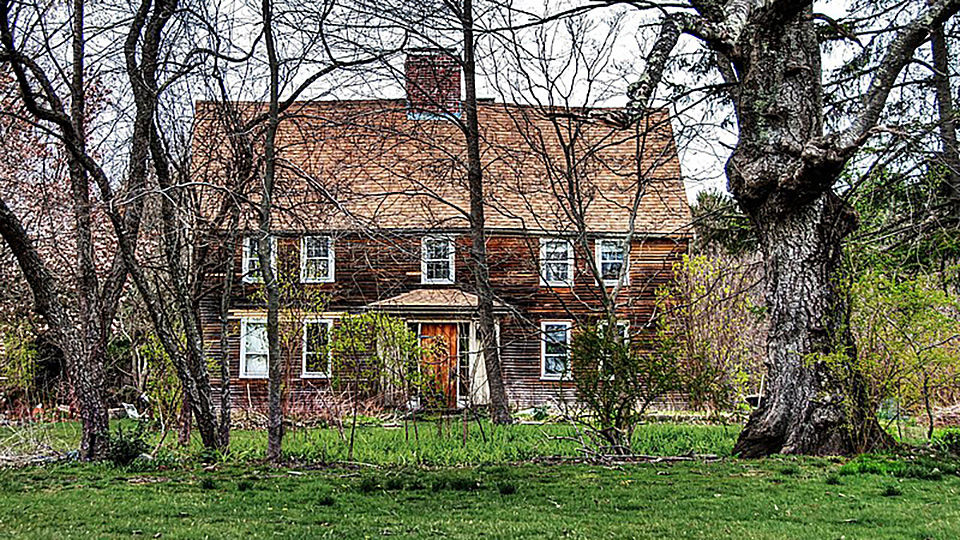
371 268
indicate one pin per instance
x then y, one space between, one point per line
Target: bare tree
80 332
499 406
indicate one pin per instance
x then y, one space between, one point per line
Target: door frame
471 344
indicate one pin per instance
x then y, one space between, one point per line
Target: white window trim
452 260
304 374
331 257
243 348
245 259
597 246
544 376
543 263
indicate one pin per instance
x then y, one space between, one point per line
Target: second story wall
368 268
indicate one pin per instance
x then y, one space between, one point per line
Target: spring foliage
713 326
908 333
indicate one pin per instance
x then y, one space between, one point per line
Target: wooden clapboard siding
371 268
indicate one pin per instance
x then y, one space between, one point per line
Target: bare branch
899 54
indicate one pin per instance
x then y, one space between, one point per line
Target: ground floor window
555 349
316 349
254 352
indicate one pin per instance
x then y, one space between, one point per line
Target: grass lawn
439 488
428 445
773 498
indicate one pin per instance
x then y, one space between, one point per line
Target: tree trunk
499 405
87 378
186 420
275 361
816 402
87 372
948 127
225 382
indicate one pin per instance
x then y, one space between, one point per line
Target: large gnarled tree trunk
782 173
809 408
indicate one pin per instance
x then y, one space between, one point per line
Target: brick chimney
433 83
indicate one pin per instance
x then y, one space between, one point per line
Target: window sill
316 281
255 377
314 376
557 285
555 378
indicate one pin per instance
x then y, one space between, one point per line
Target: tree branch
898 55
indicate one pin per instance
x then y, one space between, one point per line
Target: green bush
124 447
921 468
789 470
394 483
949 441
369 484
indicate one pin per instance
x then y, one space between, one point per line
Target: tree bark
499 405
816 403
948 126
186 420
87 371
265 251
186 354
225 382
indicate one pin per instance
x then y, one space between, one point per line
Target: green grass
730 499
432 485
426 445
400 447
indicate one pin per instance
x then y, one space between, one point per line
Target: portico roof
431 300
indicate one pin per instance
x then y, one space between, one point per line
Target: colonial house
372 213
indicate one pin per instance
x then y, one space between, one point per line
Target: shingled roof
371 164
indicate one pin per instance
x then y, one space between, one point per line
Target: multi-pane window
316 259
611 260
556 262
437 260
316 349
555 350
251 258
254 353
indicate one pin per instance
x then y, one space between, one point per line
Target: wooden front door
439 363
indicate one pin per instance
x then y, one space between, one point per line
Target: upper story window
254 352
316 259
556 262
251 258
316 349
611 260
437 260
555 349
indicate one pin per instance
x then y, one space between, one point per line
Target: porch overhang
434 302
